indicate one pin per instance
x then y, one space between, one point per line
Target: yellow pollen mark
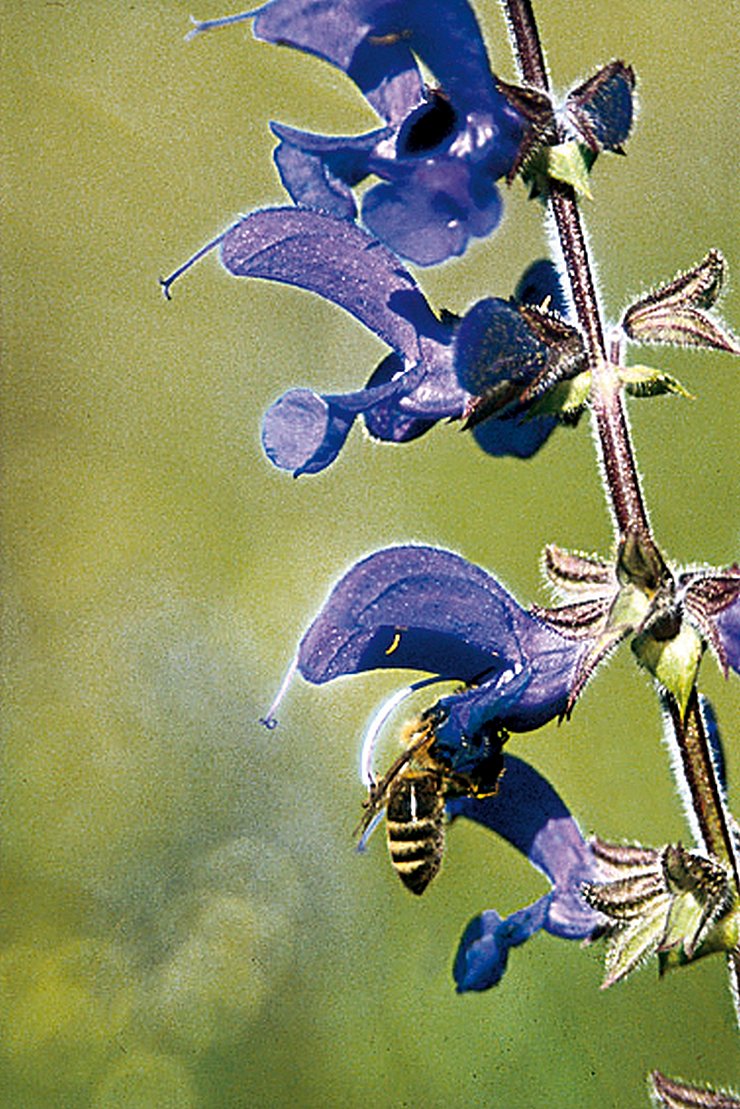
394 645
546 303
390 39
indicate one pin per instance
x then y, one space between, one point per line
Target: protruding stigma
200 25
269 720
167 282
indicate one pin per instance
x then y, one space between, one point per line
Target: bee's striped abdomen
415 828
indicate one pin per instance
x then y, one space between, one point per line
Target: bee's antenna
367 832
376 724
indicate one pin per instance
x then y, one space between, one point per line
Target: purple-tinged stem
607 402
622 479
701 779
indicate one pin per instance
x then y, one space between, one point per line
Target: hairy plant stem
619 467
701 779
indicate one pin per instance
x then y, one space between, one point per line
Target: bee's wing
376 799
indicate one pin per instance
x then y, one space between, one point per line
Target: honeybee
413 793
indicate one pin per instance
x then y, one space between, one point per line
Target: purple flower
437 153
438 365
419 608
528 813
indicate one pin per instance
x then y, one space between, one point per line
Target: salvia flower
490 367
528 813
437 153
421 608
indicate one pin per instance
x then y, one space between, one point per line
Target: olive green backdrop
184 921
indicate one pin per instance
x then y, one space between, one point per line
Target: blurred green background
184 921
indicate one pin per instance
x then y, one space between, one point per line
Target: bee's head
477 758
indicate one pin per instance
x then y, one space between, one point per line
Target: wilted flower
528 813
438 152
490 367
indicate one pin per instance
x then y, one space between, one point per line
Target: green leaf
645 381
565 399
674 662
571 163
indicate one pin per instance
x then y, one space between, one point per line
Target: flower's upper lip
451 618
374 42
420 608
339 261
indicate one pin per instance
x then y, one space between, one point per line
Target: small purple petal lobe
514 436
386 419
483 953
430 214
303 433
311 184
727 623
